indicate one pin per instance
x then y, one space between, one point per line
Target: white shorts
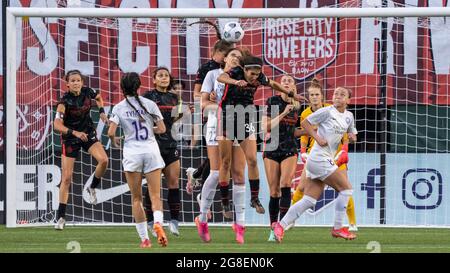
143 163
320 169
211 131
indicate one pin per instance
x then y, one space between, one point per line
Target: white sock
142 230
239 203
158 217
208 193
341 208
297 209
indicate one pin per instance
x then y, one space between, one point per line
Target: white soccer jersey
211 84
139 136
332 125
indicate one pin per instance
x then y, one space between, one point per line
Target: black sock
254 188
61 211
95 182
285 201
274 209
174 203
147 205
197 173
206 171
224 190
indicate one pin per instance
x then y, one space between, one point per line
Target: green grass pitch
298 239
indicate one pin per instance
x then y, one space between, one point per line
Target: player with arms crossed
74 122
333 122
140 119
316 98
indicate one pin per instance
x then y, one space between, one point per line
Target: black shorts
71 147
236 126
279 156
170 155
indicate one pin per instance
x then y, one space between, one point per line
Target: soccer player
221 47
140 119
168 104
280 162
333 122
74 122
241 84
212 92
316 98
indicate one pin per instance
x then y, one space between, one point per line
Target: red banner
340 52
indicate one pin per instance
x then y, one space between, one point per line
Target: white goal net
397 67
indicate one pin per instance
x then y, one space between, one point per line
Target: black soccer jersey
204 69
166 102
235 95
77 111
286 128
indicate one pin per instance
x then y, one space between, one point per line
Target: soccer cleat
271 236
343 233
150 227
352 228
60 224
145 244
203 230
278 231
227 211
192 182
173 227
161 235
199 199
239 231
92 196
255 203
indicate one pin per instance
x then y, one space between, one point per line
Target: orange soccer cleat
343 233
162 238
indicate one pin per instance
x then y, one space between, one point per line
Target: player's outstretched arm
277 86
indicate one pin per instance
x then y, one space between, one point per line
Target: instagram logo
422 189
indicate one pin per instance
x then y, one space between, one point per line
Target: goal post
118 211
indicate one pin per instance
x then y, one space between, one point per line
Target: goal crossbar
232 13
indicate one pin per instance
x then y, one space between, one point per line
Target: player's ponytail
219 36
130 83
220 45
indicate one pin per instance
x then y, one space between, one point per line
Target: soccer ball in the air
233 32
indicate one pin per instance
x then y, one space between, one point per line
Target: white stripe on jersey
332 125
139 136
